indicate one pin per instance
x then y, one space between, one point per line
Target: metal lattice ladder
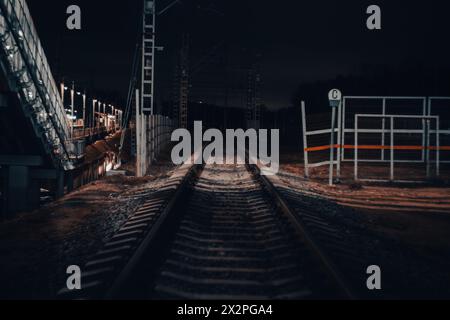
148 58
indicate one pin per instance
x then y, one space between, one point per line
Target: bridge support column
17 185
70 181
59 187
21 189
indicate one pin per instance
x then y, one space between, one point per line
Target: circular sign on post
335 97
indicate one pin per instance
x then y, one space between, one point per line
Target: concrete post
17 189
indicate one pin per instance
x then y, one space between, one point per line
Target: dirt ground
418 212
37 247
416 216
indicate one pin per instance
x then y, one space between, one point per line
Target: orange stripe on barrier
371 147
443 148
374 147
321 148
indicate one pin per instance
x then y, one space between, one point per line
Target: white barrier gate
390 110
393 147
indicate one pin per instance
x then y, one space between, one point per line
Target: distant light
65 88
79 93
109 166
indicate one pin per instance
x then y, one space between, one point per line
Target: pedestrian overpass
35 142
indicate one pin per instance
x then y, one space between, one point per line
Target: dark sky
300 41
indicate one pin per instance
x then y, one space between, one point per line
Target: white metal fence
392 147
393 121
153 136
380 106
308 149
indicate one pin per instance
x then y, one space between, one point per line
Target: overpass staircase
29 82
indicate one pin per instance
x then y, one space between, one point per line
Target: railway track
213 232
346 243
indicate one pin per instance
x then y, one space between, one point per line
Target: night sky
300 41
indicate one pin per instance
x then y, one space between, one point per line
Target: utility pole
94 101
148 57
145 105
62 88
103 123
138 137
227 83
182 85
84 110
253 95
72 106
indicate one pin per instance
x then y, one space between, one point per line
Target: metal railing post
344 101
424 137
332 144
383 138
392 177
438 147
305 140
356 148
138 137
339 142
427 148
